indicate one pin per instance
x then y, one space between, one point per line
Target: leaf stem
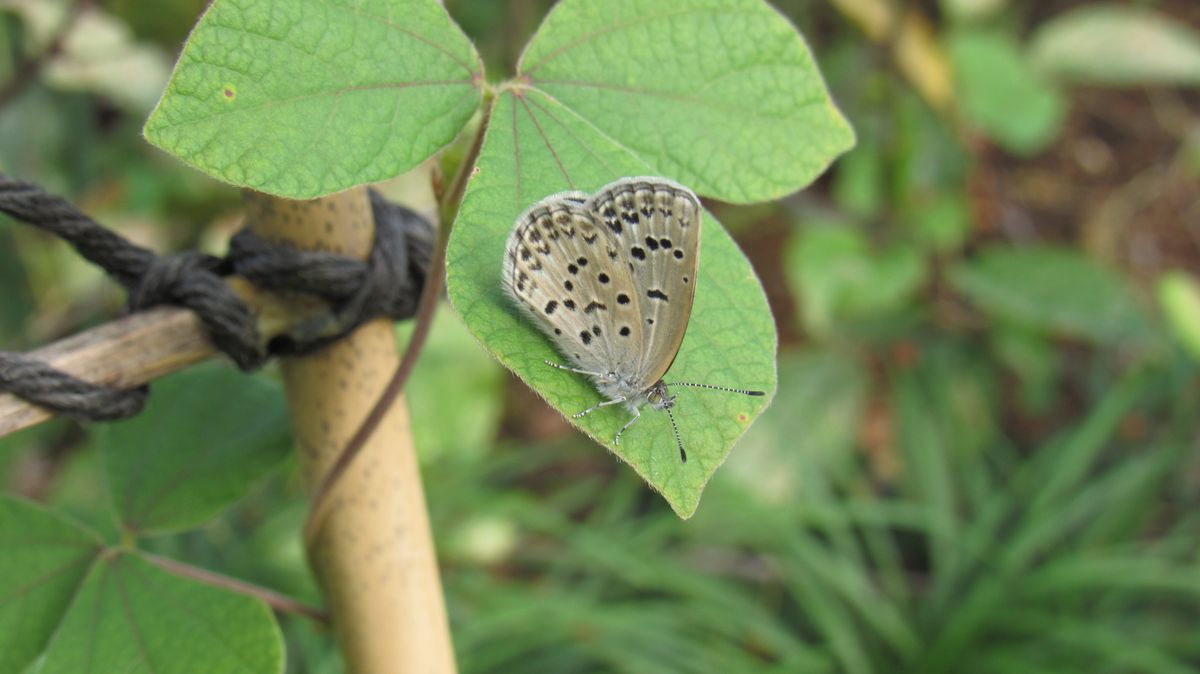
277 601
426 309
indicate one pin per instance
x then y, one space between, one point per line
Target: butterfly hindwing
561 267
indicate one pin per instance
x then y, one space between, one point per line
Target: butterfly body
610 278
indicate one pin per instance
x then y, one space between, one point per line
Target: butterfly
610 279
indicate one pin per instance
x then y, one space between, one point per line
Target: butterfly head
658 397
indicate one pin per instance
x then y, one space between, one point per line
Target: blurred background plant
982 456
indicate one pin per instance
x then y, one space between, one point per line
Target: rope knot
170 279
387 284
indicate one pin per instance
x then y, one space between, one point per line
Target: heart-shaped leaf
305 97
721 95
536 146
132 616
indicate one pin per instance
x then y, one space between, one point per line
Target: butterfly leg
571 369
593 408
637 414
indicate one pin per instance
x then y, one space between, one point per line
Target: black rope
387 284
61 393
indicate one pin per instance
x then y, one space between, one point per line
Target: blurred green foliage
982 456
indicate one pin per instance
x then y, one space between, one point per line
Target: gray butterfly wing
563 268
655 224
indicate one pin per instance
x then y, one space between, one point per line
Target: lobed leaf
132 616
607 89
301 98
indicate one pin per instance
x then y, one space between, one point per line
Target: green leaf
1035 360
132 616
1002 94
535 147
839 278
1118 45
972 9
204 438
1057 290
45 558
305 97
721 95
1179 297
940 222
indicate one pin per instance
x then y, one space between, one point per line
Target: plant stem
277 601
426 310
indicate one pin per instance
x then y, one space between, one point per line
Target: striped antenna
678 440
743 391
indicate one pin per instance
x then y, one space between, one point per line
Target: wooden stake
144 346
125 353
372 549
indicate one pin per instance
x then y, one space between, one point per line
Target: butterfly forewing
655 225
561 265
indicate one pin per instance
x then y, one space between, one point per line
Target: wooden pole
372 548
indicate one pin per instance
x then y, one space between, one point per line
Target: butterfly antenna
678 440
743 391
